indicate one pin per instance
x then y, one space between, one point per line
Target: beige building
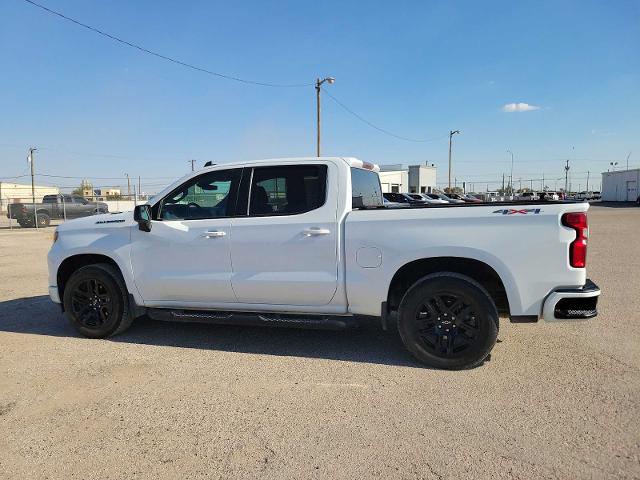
399 178
21 193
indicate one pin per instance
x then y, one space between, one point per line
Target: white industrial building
621 186
402 178
21 193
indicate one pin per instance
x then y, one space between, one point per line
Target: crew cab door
185 258
285 249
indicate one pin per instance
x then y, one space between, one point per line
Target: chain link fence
54 209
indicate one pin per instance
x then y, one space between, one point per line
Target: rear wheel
448 320
96 301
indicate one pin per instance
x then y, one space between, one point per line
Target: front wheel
96 301
448 320
44 220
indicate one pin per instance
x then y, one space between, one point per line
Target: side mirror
142 215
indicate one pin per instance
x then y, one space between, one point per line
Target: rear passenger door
284 249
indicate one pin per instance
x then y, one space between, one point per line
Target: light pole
451 134
319 83
511 176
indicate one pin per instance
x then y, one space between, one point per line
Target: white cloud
519 107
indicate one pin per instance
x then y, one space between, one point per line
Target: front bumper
53 294
572 303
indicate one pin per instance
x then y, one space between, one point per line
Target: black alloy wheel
447 320
447 323
91 303
96 301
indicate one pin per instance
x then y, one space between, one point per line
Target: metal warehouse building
621 186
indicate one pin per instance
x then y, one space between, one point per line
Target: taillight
578 248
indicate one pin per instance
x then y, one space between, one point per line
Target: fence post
64 209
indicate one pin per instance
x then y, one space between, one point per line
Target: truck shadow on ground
367 344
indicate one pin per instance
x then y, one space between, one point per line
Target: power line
100 178
165 57
386 132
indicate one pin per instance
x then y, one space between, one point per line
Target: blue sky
418 69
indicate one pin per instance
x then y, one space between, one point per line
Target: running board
321 322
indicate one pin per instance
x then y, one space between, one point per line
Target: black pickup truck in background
54 207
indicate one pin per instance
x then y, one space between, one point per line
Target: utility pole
531 185
511 176
566 177
587 180
451 134
319 83
542 189
139 186
502 185
192 162
33 186
128 186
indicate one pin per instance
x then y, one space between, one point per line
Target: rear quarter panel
529 251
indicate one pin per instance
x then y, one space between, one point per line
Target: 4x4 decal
515 211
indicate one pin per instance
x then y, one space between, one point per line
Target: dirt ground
196 401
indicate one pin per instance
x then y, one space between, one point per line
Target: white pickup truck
308 242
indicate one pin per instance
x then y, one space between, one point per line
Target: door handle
308 232
213 234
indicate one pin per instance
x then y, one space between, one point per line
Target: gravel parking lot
199 401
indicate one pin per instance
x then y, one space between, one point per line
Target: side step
321 322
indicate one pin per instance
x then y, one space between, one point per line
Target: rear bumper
572 303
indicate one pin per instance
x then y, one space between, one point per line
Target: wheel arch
477 270
71 264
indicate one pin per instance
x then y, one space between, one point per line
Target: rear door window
287 189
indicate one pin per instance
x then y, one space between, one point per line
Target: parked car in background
402 198
597 196
449 199
464 198
586 196
390 204
433 199
549 196
54 207
528 196
304 242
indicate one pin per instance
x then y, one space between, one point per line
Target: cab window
211 195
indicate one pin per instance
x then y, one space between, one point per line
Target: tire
25 223
449 321
44 220
96 301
